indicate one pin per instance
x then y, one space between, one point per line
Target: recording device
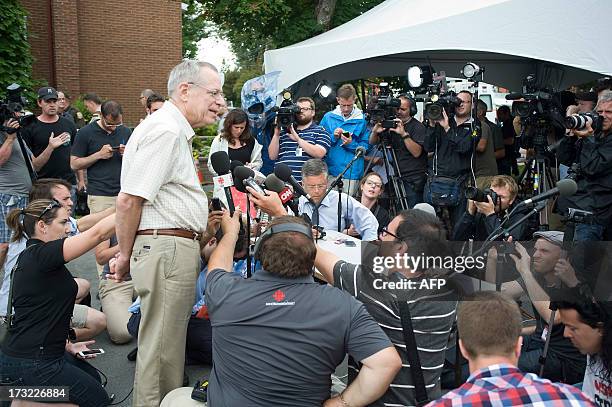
221 164
579 216
216 204
580 121
245 177
13 105
273 183
318 228
480 195
283 172
285 113
385 109
433 91
200 391
87 353
565 187
446 102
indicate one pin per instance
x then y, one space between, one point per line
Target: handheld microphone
283 172
221 164
273 183
565 187
244 177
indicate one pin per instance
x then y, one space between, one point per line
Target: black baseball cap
587 96
46 93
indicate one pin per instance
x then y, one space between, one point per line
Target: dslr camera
580 121
480 195
285 113
12 106
385 109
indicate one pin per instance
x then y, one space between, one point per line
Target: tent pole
363 95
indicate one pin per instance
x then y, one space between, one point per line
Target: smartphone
350 243
116 148
87 353
216 204
346 134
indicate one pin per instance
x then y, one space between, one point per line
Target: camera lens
434 111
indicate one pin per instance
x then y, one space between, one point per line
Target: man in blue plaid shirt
489 330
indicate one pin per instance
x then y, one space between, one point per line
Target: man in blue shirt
300 142
325 214
346 118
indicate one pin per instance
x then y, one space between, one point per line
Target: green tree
195 27
15 56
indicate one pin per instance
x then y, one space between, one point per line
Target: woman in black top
37 351
371 188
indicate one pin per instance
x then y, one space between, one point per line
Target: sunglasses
53 204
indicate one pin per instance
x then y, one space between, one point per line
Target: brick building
114 48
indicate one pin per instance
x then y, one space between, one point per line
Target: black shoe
132 355
185 380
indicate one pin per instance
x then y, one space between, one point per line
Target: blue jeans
584 232
79 376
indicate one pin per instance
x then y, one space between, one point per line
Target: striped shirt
432 313
292 154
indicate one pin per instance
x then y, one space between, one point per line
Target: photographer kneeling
36 351
483 218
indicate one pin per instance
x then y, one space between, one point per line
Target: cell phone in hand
216 204
346 134
116 148
91 352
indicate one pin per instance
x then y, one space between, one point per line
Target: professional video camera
434 90
12 106
480 195
385 109
441 102
285 113
580 121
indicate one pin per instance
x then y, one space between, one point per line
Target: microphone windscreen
273 183
514 96
240 174
567 187
360 150
283 172
220 162
234 164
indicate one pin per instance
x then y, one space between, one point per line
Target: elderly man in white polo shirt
161 215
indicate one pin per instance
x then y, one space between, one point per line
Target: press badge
298 152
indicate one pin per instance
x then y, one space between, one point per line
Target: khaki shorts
79 316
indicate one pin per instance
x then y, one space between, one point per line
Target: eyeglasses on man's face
215 93
111 125
384 232
316 187
305 109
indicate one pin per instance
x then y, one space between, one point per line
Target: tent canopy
563 42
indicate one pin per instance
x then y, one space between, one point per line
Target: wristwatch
406 136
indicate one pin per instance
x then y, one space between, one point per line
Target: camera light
420 76
470 70
286 94
325 91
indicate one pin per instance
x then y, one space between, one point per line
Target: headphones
280 228
413 106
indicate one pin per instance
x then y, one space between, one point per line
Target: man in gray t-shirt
15 182
278 336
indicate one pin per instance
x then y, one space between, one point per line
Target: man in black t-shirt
49 138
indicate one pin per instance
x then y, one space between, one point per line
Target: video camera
441 102
285 113
385 109
436 96
12 107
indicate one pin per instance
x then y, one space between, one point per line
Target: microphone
360 152
244 177
514 96
565 187
283 172
221 164
273 183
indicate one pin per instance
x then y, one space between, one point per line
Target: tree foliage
15 55
195 27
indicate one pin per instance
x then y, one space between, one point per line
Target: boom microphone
221 165
565 187
283 172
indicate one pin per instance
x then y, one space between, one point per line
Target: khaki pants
97 204
349 186
164 271
116 298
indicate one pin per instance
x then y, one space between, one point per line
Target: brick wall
114 48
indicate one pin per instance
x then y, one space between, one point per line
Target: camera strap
26 158
412 353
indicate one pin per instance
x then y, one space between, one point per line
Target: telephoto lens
578 121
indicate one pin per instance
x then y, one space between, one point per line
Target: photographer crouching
588 150
487 210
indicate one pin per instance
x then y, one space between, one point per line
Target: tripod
396 192
538 178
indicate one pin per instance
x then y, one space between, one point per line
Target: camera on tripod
12 106
480 195
285 113
580 121
385 109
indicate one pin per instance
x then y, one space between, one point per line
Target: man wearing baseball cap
540 274
50 138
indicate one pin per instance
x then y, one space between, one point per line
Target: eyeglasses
347 106
384 232
373 184
214 93
316 187
53 204
113 125
305 109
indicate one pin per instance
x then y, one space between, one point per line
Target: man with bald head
160 221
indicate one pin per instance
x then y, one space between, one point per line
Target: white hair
604 97
186 71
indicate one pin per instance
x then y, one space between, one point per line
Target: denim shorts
9 202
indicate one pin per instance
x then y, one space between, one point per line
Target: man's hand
338 132
334 402
214 222
523 264
346 140
231 224
76 347
293 134
81 185
13 124
588 131
351 231
119 267
565 272
55 142
443 121
399 128
105 152
471 207
486 208
270 204
377 129
121 149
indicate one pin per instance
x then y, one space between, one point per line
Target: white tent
563 42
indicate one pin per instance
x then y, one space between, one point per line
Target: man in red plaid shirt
489 330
